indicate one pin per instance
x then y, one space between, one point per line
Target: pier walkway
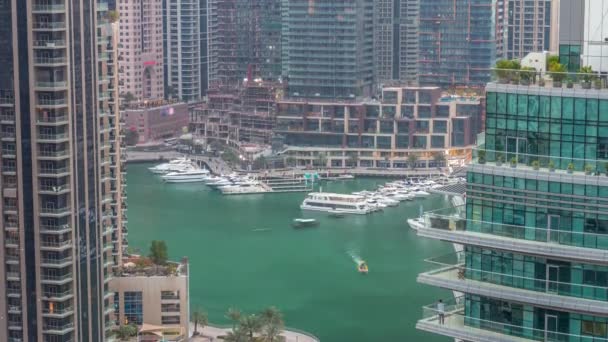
212 334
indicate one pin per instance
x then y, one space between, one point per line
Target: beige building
155 298
141 49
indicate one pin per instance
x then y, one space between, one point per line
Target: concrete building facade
395 41
141 49
156 121
528 27
408 121
60 171
185 50
328 48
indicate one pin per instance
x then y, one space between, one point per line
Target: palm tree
235 316
411 160
273 324
199 317
353 159
235 336
251 324
438 158
322 159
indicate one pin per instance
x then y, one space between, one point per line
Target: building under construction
238 116
244 41
459 41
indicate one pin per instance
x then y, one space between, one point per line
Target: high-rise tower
60 170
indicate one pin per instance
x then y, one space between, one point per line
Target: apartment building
459 41
156 121
328 48
185 49
141 49
419 121
396 41
528 27
534 227
61 189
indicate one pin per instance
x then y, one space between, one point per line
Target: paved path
211 334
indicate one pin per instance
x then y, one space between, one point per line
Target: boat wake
355 256
261 230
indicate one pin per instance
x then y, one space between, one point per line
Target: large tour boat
331 202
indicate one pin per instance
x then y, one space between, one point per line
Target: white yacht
251 187
172 166
416 223
331 202
420 193
186 176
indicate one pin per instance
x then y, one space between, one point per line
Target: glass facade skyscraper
60 179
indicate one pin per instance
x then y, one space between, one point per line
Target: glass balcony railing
49 43
49 25
533 78
48 8
452 267
540 163
53 261
50 60
454 319
51 84
448 219
53 136
57 278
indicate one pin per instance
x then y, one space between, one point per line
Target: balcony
7 118
58 312
53 137
451 274
49 26
53 155
49 44
557 244
58 296
51 85
13 276
50 61
48 9
50 172
55 212
58 329
56 279
462 327
56 262
52 103
55 229
49 245
54 189
550 168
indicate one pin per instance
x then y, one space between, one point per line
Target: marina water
244 253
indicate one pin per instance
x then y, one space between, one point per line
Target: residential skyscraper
459 41
185 48
396 41
141 49
244 40
328 48
535 231
528 27
60 170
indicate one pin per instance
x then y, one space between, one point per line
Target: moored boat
304 223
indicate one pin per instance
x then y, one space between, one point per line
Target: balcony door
551 333
552 278
553 228
517 147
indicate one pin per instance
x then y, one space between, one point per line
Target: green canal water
244 254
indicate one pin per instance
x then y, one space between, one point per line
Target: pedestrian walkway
212 334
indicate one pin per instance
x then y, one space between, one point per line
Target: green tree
113 16
199 317
321 159
158 252
128 97
230 157
124 332
273 324
552 59
438 157
251 325
236 336
558 72
131 137
411 160
235 316
353 159
290 161
260 163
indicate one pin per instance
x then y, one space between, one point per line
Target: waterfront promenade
213 334
218 166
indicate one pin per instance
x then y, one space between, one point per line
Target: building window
134 313
169 307
170 320
169 295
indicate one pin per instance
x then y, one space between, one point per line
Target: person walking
441 311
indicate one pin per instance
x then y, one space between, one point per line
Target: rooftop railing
540 162
452 266
549 79
450 219
454 317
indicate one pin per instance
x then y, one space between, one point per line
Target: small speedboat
362 267
304 223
